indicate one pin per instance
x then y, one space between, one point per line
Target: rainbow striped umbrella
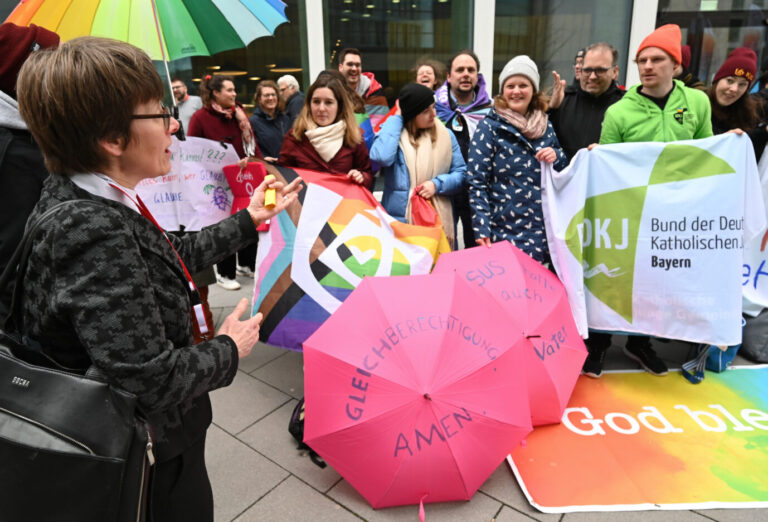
185 27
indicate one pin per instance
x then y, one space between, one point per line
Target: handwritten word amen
451 425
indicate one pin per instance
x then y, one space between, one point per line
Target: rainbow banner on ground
633 441
318 250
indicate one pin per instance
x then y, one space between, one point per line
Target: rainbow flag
320 248
633 441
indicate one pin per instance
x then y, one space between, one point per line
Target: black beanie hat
413 99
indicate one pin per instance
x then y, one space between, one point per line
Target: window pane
714 28
266 58
551 32
392 35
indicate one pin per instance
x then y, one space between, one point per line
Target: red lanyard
198 315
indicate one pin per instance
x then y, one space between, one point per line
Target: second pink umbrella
537 299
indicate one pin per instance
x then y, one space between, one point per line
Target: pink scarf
532 127
242 122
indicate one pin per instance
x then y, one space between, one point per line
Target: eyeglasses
269 95
165 115
283 89
599 71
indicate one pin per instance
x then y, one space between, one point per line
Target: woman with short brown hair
430 73
104 285
268 120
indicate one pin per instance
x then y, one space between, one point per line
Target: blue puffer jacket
397 183
505 184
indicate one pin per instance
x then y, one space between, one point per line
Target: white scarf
424 162
327 140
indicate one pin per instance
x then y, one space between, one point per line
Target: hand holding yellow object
269 194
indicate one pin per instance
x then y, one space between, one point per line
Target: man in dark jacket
22 170
294 98
461 103
579 117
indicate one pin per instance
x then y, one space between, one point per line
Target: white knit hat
520 65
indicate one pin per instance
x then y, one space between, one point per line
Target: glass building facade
714 28
393 35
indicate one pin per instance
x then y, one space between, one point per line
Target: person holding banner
732 106
418 154
660 108
105 286
326 136
222 119
504 163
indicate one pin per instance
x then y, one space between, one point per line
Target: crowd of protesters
476 158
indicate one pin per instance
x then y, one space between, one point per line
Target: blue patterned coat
505 184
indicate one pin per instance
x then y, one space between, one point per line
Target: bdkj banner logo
649 237
604 234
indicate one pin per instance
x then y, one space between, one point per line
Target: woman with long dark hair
732 105
223 119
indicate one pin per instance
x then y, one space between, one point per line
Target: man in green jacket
658 109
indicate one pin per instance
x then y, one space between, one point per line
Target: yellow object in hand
269 194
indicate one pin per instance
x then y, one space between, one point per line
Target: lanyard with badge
457 123
199 321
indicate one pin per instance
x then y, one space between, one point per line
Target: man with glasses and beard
578 115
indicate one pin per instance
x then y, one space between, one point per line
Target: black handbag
72 446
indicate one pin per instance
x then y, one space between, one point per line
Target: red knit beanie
685 52
742 62
16 44
667 38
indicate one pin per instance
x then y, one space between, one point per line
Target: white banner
649 238
195 193
755 269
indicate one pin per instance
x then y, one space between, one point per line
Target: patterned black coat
103 286
505 184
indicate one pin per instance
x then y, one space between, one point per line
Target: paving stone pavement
258 474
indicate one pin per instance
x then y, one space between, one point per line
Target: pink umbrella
536 297
415 389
